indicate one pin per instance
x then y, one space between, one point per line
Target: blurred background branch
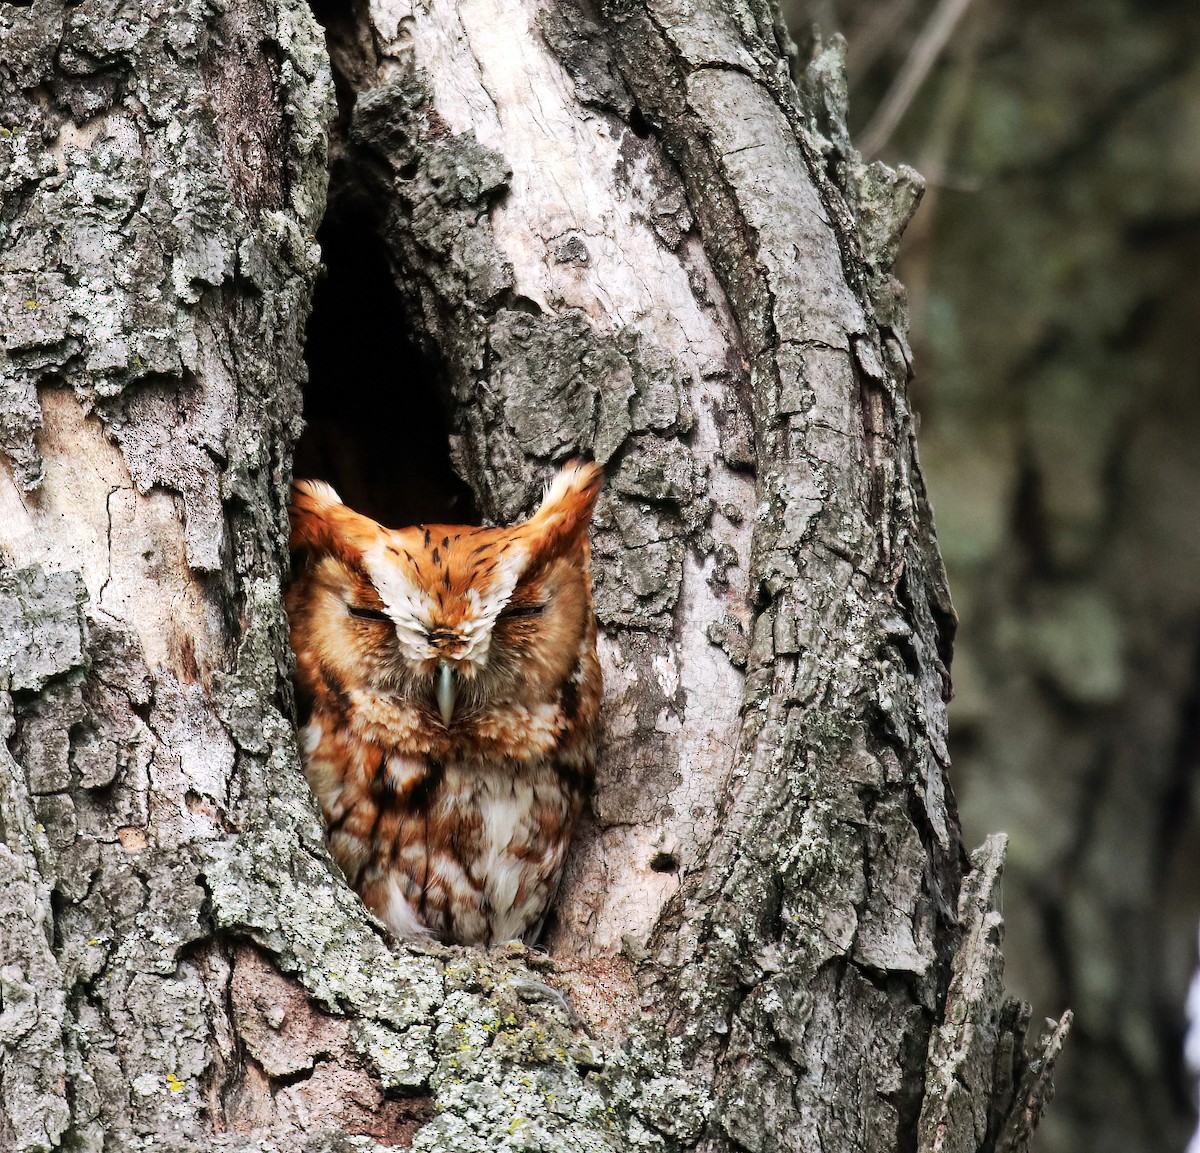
913 72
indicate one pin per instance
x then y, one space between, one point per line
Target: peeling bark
620 232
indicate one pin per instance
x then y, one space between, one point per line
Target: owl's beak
446 688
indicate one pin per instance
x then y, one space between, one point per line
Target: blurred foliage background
1053 272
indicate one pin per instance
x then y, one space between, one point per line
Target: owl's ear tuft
312 527
566 510
316 490
321 524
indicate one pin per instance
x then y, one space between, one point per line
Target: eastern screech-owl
449 689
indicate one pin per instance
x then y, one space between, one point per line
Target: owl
449 692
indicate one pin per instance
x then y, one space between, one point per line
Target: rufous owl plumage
449 691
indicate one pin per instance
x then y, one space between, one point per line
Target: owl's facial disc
442 603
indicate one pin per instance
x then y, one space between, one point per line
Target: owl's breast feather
512 732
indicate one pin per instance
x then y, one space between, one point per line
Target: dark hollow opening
376 427
665 863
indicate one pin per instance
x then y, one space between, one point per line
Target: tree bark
620 232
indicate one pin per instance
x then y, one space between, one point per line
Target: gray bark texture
1051 273
620 232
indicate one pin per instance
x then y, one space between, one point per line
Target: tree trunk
550 231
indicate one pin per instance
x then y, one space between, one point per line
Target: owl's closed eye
449 686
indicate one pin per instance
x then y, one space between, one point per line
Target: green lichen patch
404 1058
514 1073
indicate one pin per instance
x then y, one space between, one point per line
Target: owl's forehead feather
430 577
458 566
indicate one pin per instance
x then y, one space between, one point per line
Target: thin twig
871 38
933 163
925 51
